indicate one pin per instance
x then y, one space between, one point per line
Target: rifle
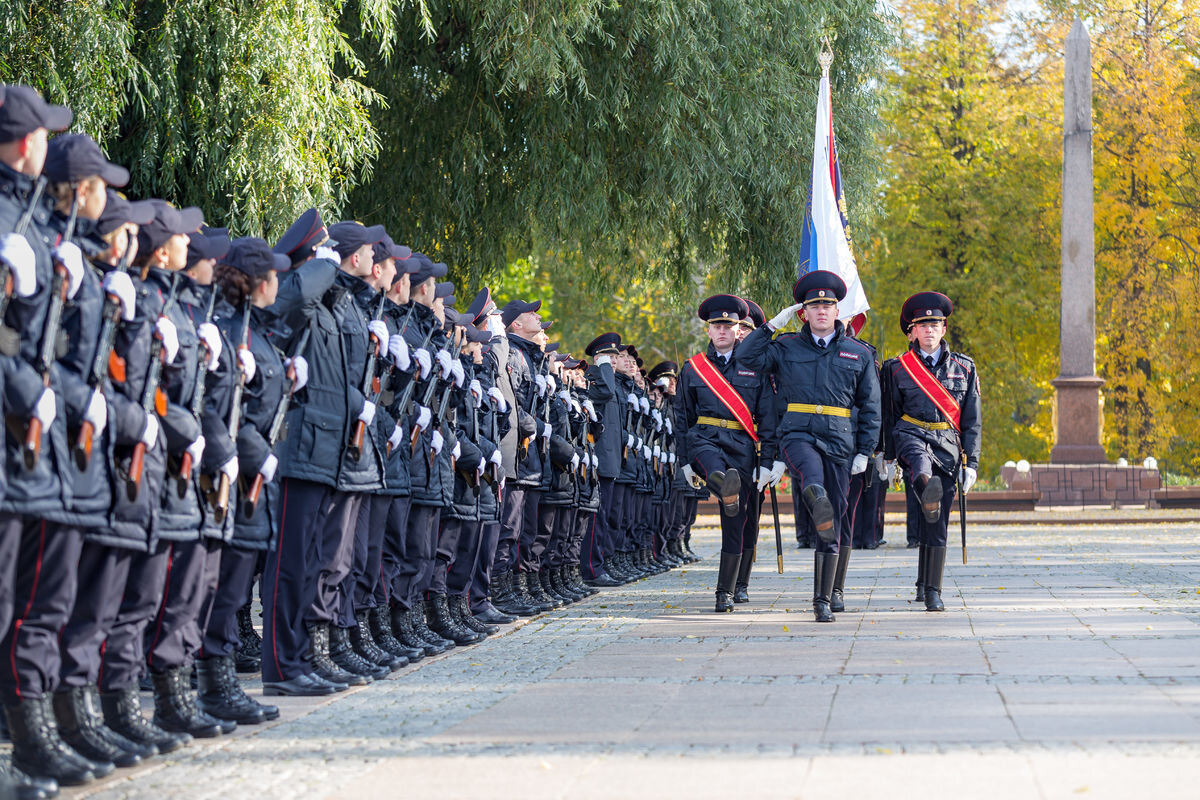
153 399
370 388
276 429
428 398
48 353
198 391
220 499
444 403
545 372
402 408
106 362
5 273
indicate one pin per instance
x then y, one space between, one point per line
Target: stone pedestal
1093 484
1077 421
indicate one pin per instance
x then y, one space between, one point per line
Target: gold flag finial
825 57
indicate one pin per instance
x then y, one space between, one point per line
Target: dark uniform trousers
868 522
335 556
43 595
581 522
555 536
175 633
753 515
449 535
710 458
394 550
458 574
854 497
533 540
598 541
623 542
358 590
481 576
808 466
10 546
913 454
124 655
420 547
511 510
105 571
234 580
289 579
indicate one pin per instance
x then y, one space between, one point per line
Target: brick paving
1067 664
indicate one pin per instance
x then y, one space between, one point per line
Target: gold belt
829 411
717 422
929 426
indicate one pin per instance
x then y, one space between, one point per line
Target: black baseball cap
119 209
351 235
72 157
254 257
168 221
428 269
208 243
23 111
515 308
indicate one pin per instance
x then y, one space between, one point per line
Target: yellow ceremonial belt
717 422
829 411
929 426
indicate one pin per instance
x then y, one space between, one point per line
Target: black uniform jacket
695 400
902 396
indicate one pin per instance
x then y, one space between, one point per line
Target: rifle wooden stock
220 501
354 449
83 445
251 501
137 460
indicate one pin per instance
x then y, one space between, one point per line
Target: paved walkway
1067 664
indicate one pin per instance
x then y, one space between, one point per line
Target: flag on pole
825 243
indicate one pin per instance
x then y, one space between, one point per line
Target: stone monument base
1093 484
1077 421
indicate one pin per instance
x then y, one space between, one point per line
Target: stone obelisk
1077 413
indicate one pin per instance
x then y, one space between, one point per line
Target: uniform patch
851 356
745 373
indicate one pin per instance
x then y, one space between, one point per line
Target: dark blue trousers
124 653
481 576
234 579
512 510
395 535
175 634
809 466
103 572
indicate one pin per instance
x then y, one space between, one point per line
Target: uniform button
820 409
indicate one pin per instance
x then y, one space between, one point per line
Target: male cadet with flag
822 374
726 411
932 424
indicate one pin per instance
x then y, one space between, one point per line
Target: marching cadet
932 426
598 544
725 409
821 374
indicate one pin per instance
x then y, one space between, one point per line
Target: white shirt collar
819 340
935 355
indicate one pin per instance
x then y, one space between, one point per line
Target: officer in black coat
599 544
821 374
924 436
718 447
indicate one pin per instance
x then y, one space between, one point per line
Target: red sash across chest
725 392
932 388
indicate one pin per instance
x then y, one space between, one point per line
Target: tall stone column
1077 421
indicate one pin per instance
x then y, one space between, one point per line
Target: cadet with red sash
829 412
725 411
932 423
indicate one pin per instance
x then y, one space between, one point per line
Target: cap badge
929 312
821 293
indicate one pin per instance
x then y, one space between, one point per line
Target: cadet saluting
823 373
932 423
727 413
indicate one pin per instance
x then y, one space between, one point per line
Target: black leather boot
80 729
437 612
123 714
402 627
323 665
522 590
929 489
741 588
727 486
24 787
488 614
269 712
578 583
613 571
37 749
460 609
342 654
507 600
533 585
365 645
837 600
248 656
922 561
687 547
934 566
726 575
421 628
381 631
824 571
561 578
551 587
175 708
816 500
216 696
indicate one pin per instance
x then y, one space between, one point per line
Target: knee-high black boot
933 579
836 600
824 571
726 575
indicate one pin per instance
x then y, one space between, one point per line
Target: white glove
656 452
170 338
456 453
574 462
891 469
267 470
657 416
785 316
246 362
150 433
645 404
859 464
551 384
565 396
629 441
496 458
689 475
16 251
368 412
97 411
436 442
595 461
777 470
603 359
545 430
495 325
196 449
301 366
881 467
968 479
69 255
640 444
120 286
476 389
211 337
230 468
425 360
446 362
398 350
673 458
631 398
397 436
46 409
378 329
646 452
497 395
329 254
591 410
460 376
762 477
540 380
669 426
424 415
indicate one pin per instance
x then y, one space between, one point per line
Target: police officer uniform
923 437
600 542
